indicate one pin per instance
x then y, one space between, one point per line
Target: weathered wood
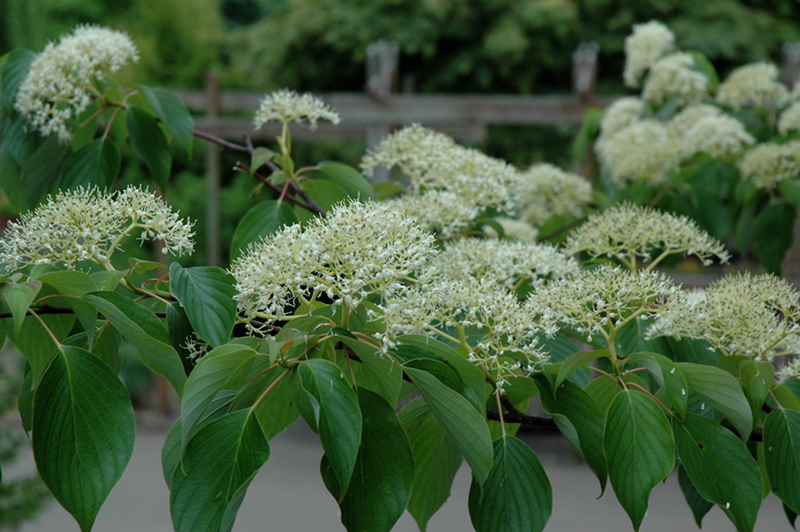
428 109
235 128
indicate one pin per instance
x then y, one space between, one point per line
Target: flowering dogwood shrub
338 306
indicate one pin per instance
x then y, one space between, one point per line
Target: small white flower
673 76
642 151
646 44
88 225
768 164
287 106
56 89
631 232
357 250
755 84
545 191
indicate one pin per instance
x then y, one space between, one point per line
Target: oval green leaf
782 455
145 331
207 295
262 219
83 432
517 496
384 469
339 417
639 448
217 467
467 427
721 468
720 390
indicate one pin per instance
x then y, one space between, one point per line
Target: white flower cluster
622 113
790 119
485 318
630 233
755 84
358 249
545 190
644 150
673 76
518 229
286 106
432 161
508 263
738 315
56 89
768 164
446 213
646 44
599 300
88 225
789 371
704 128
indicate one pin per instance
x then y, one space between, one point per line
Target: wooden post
584 71
213 169
791 63
383 58
584 82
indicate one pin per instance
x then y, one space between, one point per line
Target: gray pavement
288 496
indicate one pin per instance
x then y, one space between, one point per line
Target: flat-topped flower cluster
89 225
682 113
58 86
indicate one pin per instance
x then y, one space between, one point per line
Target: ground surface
288 496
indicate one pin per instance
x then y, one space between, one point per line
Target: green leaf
576 409
106 347
71 282
517 496
473 377
172 451
83 431
325 193
218 465
639 448
575 362
262 219
667 375
384 469
347 178
721 391
172 113
758 378
720 467
41 170
467 427
207 294
150 144
145 331
75 283
773 234
696 502
19 297
275 410
95 164
259 158
436 460
18 141
603 390
387 372
15 70
782 455
338 418
213 373
35 343
11 181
